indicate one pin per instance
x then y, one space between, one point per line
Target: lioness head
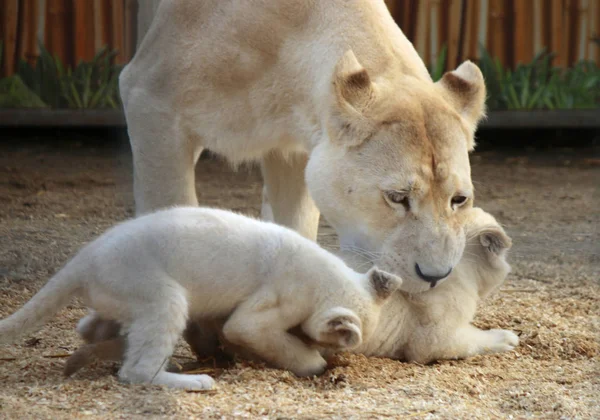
393 177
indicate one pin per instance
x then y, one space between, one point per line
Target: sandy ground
57 195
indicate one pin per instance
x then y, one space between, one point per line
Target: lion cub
436 324
153 273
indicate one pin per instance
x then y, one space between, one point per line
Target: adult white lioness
334 101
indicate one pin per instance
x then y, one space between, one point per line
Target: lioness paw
500 341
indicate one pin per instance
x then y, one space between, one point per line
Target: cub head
486 250
393 175
341 328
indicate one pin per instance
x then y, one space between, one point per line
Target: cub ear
495 240
383 284
354 92
340 329
465 88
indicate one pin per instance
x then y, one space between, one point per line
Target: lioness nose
431 278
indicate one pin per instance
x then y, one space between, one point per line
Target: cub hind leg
265 333
93 329
151 339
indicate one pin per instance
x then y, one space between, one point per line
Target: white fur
153 273
276 81
436 324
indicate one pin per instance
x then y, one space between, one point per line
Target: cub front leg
286 200
265 333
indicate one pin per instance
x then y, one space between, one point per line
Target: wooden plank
597 26
41 24
557 31
392 7
130 22
523 45
406 11
454 29
434 46
567 33
28 49
546 25
58 29
582 25
538 30
9 35
102 22
482 38
471 29
593 31
118 24
468 22
83 30
497 18
422 30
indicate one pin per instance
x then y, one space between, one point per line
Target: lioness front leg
287 201
164 157
265 333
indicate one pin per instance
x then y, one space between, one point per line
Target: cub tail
42 306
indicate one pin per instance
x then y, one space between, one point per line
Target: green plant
92 84
576 88
437 71
16 94
42 78
534 85
539 85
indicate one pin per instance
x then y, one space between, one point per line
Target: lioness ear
354 91
341 329
383 284
466 89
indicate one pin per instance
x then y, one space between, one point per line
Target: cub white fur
436 324
422 327
153 273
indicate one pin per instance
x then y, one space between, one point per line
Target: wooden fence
513 30
73 30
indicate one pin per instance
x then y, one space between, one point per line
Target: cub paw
183 381
317 367
340 329
200 382
500 341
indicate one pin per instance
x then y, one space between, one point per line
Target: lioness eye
458 200
397 197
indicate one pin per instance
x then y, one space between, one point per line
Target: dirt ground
57 195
